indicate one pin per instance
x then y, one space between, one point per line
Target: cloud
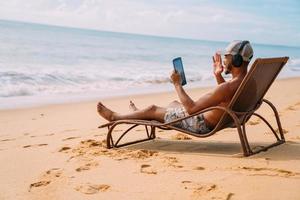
191 19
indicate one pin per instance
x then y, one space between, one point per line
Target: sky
260 21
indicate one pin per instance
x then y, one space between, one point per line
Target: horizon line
137 34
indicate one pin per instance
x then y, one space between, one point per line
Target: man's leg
152 112
174 104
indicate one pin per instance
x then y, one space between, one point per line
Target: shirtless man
237 56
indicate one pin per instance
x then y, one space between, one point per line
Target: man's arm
187 102
210 99
219 78
218 68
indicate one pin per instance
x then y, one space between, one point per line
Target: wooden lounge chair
244 104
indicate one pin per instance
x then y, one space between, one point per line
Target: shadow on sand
288 151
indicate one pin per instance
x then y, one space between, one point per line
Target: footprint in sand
64 149
46 178
70 138
87 166
142 154
98 148
86 147
199 189
293 107
180 136
38 184
8 139
54 172
124 154
92 188
229 195
205 190
34 145
147 169
199 168
172 162
264 171
91 143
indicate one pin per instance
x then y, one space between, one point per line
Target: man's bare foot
105 112
132 106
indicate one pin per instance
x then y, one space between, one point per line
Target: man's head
237 54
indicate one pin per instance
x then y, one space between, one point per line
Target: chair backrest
253 88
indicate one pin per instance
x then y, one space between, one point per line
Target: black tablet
178 66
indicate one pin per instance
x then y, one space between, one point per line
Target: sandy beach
57 152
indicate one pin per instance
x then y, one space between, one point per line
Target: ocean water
41 64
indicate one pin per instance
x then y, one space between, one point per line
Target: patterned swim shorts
194 124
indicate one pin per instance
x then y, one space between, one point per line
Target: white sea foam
294 64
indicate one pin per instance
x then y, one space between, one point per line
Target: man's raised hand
217 64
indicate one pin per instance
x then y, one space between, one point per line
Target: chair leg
242 135
246 139
243 139
279 141
109 139
110 142
152 135
277 119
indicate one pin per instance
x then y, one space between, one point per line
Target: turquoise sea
42 64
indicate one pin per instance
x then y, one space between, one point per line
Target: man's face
227 62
